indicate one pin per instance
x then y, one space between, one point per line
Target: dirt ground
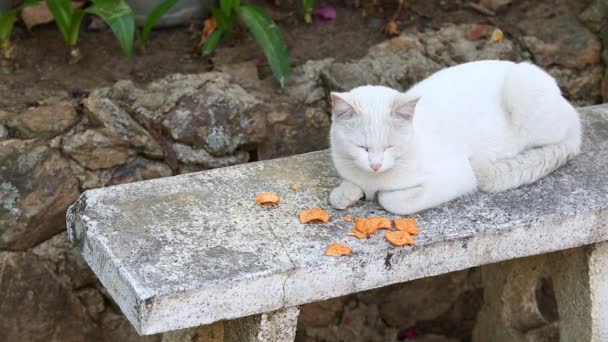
42 68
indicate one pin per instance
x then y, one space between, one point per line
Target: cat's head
372 127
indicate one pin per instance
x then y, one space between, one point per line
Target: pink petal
325 12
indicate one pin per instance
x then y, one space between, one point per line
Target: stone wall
53 151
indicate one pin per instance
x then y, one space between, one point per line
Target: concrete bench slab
194 249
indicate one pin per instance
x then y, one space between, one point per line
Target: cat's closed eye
389 146
363 147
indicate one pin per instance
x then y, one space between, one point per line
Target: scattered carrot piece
336 249
390 28
407 225
359 235
399 238
370 225
294 187
314 215
267 198
348 218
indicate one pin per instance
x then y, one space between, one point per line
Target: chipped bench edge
150 315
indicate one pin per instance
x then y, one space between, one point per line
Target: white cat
492 125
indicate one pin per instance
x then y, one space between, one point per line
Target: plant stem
75 55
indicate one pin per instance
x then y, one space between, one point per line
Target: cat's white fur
492 125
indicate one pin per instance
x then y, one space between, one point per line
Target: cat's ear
404 107
341 107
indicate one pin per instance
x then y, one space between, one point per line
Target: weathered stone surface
138 169
3 132
115 327
36 187
552 32
273 326
188 155
580 86
217 118
63 258
305 84
28 289
321 314
188 250
511 310
106 113
494 5
593 15
581 287
45 121
423 299
206 333
97 148
93 301
402 61
304 129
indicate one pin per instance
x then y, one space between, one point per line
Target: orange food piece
370 225
294 187
348 218
399 238
314 215
407 225
336 249
359 235
267 198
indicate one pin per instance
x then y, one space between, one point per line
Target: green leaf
63 13
212 41
153 17
119 16
308 5
269 38
74 29
226 7
224 22
7 21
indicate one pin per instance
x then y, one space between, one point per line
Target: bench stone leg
511 310
276 326
580 278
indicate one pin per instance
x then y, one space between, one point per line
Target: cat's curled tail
535 108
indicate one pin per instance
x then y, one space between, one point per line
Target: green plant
261 26
116 13
68 19
308 5
7 22
143 34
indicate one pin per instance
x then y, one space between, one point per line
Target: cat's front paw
344 195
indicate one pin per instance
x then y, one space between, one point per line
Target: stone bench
195 249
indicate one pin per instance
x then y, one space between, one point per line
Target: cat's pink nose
376 166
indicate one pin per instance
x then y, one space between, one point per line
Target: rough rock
218 117
36 187
188 155
321 314
411 57
593 15
245 74
423 299
63 258
106 113
495 5
97 148
115 327
36 306
45 121
93 301
552 32
293 131
583 87
3 132
137 170
305 84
